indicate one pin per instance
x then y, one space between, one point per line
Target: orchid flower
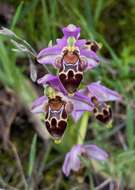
56 106
98 96
71 56
89 151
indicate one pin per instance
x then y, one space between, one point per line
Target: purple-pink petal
94 152
62 42
71 30
66 168
72 160
80 43
75 152
89 54
47 79
53 81
81 96
49 55
38 104
80 105
103 93
91 63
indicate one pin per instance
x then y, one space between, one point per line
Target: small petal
53 81
66 168
47 78
81 96
62 42
76 151
89 54
38 104
91 63
72 160
95 152
80 43
33 70
102 93
71 30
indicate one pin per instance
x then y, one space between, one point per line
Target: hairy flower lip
72 160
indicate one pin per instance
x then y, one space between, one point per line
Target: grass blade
99 7
32 155
17 15
130 127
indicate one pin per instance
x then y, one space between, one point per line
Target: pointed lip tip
57 140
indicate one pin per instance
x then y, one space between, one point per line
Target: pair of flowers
72 56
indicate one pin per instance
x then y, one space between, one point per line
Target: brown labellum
102 111
56 117
71 70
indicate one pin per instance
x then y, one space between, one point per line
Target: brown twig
18 163
5 185
106 182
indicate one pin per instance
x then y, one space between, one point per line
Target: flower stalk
83 128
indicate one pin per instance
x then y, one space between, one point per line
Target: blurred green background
33 161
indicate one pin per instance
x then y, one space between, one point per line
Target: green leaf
32 155
98 9
111 51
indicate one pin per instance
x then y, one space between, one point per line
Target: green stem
83 128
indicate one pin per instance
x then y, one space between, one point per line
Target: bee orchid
99 95
56 106
71 56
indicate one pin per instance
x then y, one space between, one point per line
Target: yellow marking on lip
71 94
57 141
109 125
71 48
